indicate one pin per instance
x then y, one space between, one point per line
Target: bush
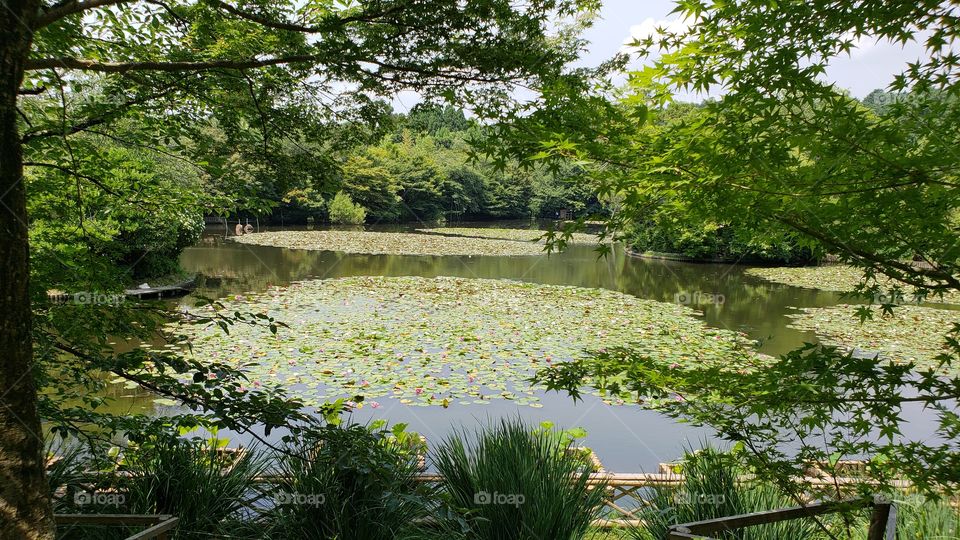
717 242
512 482
145 239
344 210
352 482
709 490
204 486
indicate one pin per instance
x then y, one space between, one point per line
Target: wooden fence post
883 520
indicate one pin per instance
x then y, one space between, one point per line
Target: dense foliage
785 157
713 486
122 123
108 224
256 96
426 171
348 482
343 210
516 484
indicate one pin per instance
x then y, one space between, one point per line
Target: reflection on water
727 297
626 438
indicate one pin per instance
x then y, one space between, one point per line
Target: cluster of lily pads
387 243
521 235
839 278
442 341
909 334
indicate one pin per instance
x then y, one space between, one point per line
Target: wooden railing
883 519
624 498
158 525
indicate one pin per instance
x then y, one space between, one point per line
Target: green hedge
718 242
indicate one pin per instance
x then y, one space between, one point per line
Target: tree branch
910 274
96 120
70 7
34 64
292 27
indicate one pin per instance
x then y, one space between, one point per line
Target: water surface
626 438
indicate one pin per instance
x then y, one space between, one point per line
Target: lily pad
839 278
445 340
520 235
910 334
386 243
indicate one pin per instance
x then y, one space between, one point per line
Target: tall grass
512 482
919 518
193 480
351 483
710 489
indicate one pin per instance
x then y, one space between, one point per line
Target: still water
626 438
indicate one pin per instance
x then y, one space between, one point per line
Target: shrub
709 241
194 480
197 481
352 482
511 482
709 490
344 210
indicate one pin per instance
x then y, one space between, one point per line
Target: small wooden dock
165 291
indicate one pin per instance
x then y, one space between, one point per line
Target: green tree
435 119
344 210
368 181
164 66
880 100
785 156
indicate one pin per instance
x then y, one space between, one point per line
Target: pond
626 438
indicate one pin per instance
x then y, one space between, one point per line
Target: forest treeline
420 166
392 167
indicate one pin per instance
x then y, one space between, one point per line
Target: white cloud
651 27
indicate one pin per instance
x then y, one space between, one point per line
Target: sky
872 65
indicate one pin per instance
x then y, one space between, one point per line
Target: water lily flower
418 390
375 404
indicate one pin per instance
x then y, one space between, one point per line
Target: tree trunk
25 510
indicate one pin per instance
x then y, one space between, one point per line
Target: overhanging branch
83 64
70 7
